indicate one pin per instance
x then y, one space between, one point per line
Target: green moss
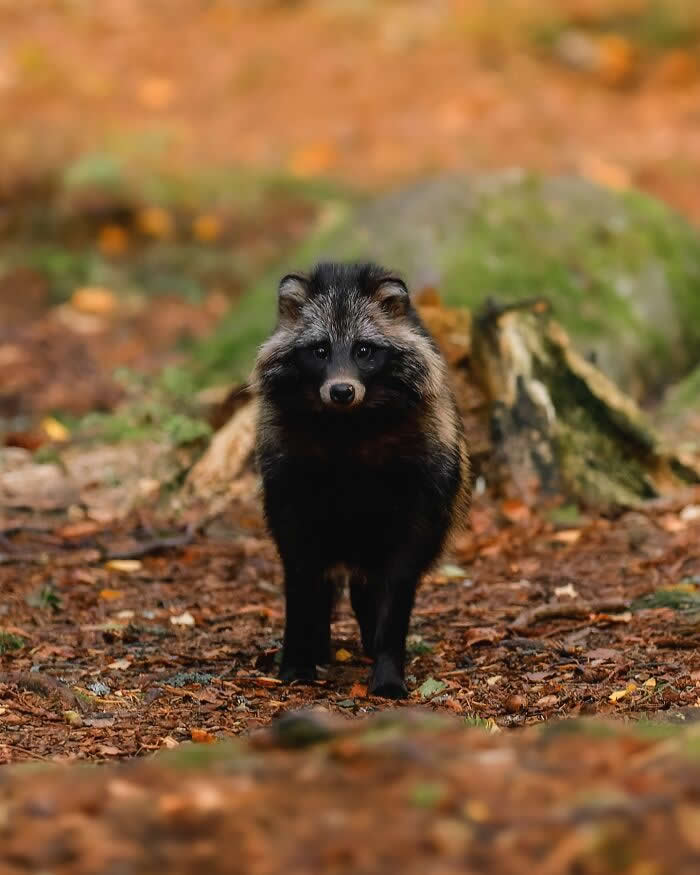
9 642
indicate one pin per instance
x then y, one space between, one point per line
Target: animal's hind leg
363 604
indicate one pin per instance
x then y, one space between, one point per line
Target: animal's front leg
395 596
303 630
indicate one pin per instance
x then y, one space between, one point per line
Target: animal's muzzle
342 393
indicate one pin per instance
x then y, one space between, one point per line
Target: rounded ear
392 294
292 294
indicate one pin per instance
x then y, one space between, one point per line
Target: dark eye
321 351
363 351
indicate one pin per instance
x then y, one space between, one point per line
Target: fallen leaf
515 703
343 655
477 810
452 571
568 590
112 240
650 683
676 69
169 742
155 222
671 523
690 513
119 664
96 300
493 680
202 736
127 566
515 510
603 653
79 529
312 159
206 228
617 60
99 722
547 701
55 430
431 687
107 750
605 173
358 691
73 718
617 695
566 536
624 617
156 92
480 635
185 619
111 595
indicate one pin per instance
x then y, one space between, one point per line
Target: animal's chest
359 492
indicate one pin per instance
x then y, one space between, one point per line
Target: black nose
342 393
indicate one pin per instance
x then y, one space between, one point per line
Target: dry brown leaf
481 635
567 536
126 566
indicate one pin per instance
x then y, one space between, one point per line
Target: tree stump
558 424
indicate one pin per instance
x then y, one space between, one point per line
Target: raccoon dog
363 460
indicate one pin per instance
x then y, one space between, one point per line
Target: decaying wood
559 425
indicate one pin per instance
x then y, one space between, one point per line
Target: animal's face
341 371
347 339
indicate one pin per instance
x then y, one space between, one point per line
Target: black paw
303 673
387 680
389 689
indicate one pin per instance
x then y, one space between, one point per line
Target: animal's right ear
291 297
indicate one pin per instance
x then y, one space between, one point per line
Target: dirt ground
528 621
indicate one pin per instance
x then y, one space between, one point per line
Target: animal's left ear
392 294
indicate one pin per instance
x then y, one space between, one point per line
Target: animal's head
347 339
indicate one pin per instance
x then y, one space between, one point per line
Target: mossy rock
621 270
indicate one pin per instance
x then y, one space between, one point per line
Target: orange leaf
515 510
79 529
113 240
314 158
201 736
110 595
358 691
